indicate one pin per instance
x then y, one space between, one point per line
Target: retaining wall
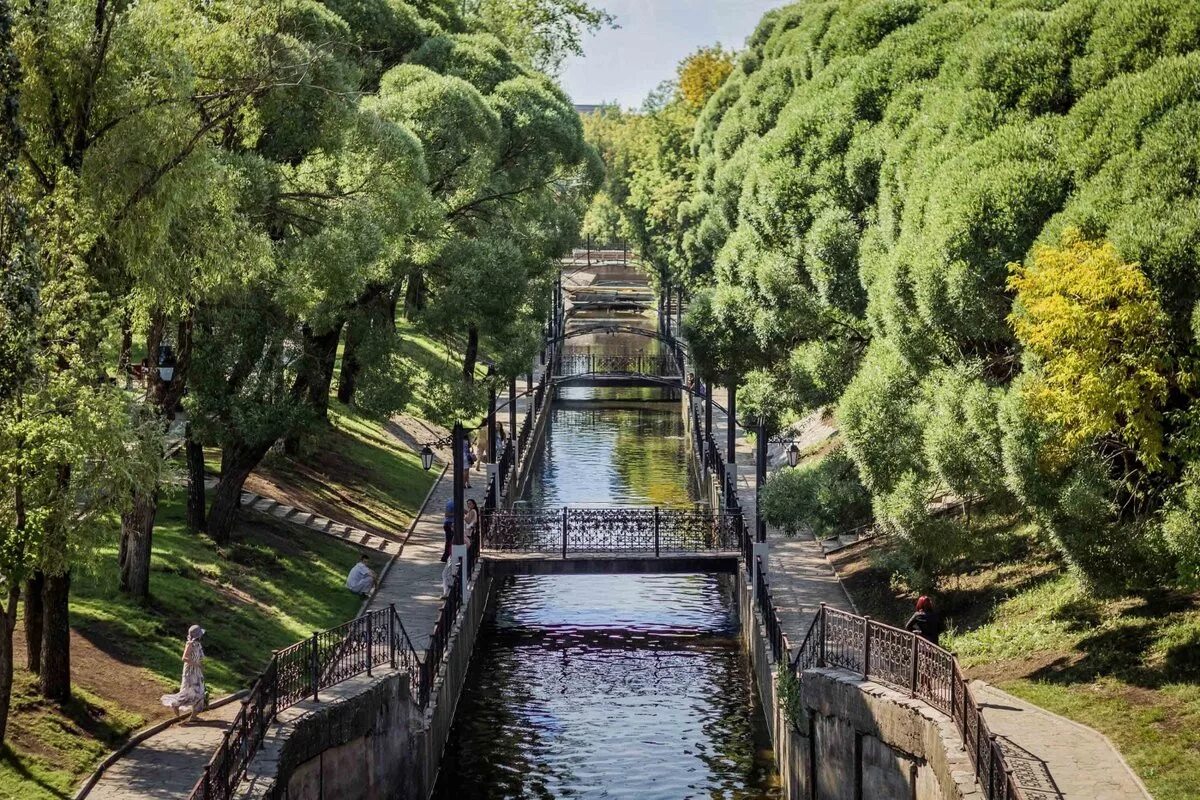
856 740
367 739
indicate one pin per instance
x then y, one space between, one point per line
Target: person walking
448 527
471 521
926 622
469 458
192 693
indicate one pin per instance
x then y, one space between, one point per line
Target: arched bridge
579 366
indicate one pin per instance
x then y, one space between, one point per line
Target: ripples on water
609 686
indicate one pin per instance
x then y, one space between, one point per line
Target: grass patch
270 587
1127 666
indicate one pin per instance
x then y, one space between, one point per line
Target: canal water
610 686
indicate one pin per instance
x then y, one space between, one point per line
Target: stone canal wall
367 739
856 740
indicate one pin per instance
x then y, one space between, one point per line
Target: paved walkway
1053 758
168 764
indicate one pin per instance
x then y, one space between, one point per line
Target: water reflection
610 686
606 686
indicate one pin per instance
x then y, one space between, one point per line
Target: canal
610 686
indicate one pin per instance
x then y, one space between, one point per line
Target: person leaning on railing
926 622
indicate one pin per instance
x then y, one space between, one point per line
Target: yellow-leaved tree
702 73
1097 335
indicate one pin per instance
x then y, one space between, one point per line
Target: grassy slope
1128 667
354 472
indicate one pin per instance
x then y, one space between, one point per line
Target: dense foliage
972 228
254 184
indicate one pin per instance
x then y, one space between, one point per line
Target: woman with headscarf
191 694
926 622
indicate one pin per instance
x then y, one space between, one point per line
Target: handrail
908 662
328 657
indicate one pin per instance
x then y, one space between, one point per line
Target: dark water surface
610 686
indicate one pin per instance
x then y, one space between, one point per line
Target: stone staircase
862 533
316 523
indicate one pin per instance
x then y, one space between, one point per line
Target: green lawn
1128 667
269 588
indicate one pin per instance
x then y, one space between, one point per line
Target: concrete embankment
853 739
367 738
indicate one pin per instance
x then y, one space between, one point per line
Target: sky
654 35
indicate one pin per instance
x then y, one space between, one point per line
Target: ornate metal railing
613 530
439 640
581 361
295 673
908 662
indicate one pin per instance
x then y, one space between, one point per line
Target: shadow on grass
1150 643
13 761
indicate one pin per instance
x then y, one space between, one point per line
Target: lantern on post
166 363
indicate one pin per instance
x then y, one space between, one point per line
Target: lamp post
493 461
166 363
512 413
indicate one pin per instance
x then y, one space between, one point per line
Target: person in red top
926 622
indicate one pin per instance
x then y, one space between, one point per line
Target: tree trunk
137 532
236 465
471 355
414 294
55 678
194 452
348 379
9 623
33 621
314 375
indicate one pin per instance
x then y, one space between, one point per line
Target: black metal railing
439 640
910 663
299 672
613 530
778 640
581 361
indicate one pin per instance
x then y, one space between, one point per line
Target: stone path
1053 758
168 764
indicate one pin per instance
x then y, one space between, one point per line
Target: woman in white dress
191 692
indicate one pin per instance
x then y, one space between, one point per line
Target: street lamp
793 455
166 363
426 458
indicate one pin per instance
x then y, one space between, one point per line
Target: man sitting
361 579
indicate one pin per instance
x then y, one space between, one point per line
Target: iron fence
581 361
439 640
906 661
613 530
299 672
770 616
